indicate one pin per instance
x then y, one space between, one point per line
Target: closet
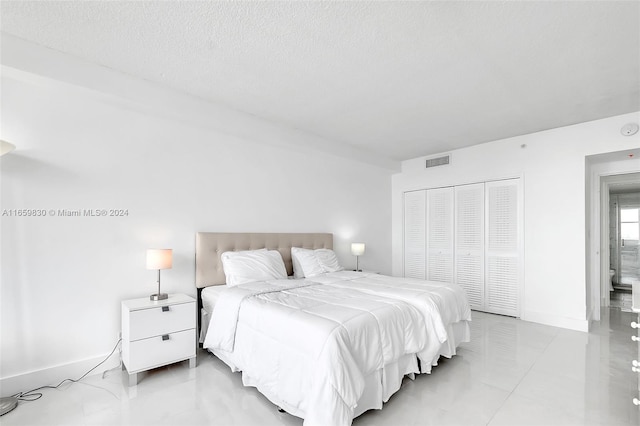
469 235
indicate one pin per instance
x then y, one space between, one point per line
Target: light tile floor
512 373
621 299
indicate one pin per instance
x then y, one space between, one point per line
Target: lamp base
7 404
159 296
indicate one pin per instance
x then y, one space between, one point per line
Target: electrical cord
33 395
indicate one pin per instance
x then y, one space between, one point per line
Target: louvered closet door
440 234
469 242
502 247
414 234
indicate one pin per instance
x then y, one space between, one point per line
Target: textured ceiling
402 79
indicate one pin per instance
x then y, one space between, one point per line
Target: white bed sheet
209 296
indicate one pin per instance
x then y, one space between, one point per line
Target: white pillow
297 267
247 266
309 263
305 263
328 260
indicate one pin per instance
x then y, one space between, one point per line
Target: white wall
63 277
552 167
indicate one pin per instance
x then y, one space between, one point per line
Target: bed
325 348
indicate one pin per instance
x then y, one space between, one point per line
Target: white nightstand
157 333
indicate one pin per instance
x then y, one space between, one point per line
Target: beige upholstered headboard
211 245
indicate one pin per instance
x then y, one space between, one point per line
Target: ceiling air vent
438 161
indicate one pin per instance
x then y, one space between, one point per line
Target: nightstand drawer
156 351
156 321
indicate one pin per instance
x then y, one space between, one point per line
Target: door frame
599 260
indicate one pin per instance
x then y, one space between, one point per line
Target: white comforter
441 304
308 347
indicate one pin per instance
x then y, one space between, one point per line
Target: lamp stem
159 296
357 268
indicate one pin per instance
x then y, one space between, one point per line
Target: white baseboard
54 375
556 321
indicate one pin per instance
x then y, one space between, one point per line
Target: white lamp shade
357 249
6 147
159 258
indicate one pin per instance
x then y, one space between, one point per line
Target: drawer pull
165 309
635 338
636 401
635 325
635 363
165 337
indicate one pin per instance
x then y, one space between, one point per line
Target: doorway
624 239
605 172
620 207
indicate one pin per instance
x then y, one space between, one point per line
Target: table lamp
159 259
357 249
